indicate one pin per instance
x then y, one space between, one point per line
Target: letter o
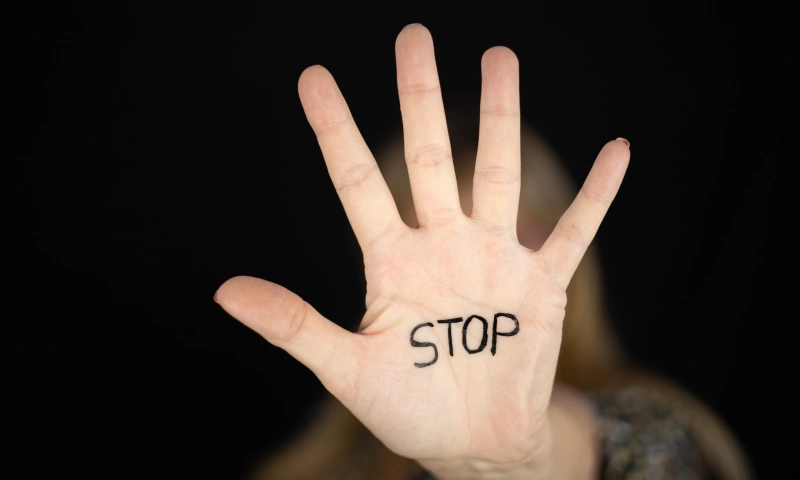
484 339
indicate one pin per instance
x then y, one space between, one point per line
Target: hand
468 405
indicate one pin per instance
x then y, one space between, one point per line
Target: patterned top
646 435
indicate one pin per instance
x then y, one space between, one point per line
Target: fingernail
215 298
627 143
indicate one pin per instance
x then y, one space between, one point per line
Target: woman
548 393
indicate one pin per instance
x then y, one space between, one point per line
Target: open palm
428 390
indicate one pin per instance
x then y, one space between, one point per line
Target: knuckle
296 321
419 88
497 175
325 126
441 216
596 196
500 111
575 235
430 155
354 176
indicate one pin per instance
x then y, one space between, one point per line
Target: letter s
415 343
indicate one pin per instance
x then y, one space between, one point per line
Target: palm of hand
469 406
464 403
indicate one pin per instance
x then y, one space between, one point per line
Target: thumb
288 322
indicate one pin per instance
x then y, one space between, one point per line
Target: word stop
484 337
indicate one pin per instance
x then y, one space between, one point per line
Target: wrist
568 447
536 464
529 470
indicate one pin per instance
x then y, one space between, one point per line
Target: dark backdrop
157 151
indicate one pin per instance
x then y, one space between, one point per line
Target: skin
466 416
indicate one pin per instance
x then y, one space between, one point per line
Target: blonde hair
337 446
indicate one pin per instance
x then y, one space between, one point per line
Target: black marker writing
484 338
464 328
415 343
450 323
495 333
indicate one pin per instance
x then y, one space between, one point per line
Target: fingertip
311 76
264 306
499 56
615 157
415 28
619 147
411 34
230 288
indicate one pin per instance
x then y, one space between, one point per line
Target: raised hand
454 361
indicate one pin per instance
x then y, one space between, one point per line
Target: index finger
365 196
577 227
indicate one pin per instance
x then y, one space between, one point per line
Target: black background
158 151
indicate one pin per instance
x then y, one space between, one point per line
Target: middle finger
427 144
